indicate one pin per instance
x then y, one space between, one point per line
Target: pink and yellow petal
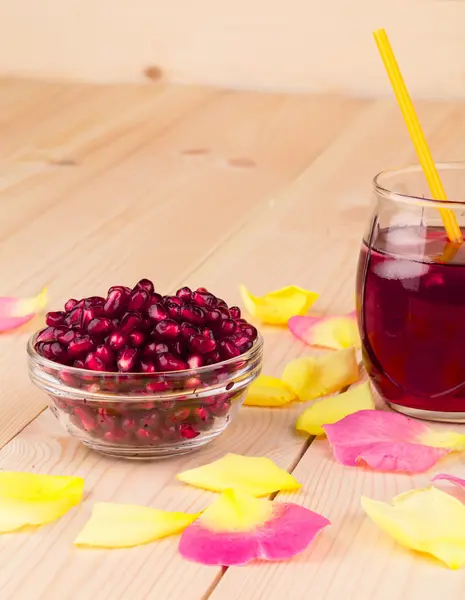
334 408
328 332
34 499
451 478
268 391
383 440
257 476
312 377
127 525
425 520
237 528
15 312
277 307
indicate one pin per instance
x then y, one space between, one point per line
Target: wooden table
105 185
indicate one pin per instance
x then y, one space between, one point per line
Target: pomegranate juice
411 313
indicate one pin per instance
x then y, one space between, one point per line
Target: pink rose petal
385 441
15 312
452 478
335 332
288 532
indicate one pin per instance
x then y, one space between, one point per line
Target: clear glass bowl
146 415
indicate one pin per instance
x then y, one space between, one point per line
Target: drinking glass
411 295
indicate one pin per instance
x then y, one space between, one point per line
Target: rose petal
312 377
257 476
334 408
238 528
14 312
279 306
33 499
268 391
327 332
388 441
452 478
127 525
426 520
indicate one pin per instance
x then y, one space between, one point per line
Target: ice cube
407 271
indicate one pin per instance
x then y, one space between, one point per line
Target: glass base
430 415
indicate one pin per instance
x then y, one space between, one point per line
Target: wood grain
153 193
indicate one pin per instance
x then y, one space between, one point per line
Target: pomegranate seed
193 314
127 359
195 361
80 346
188 432
107 421
144 436
201 289
224 311
235 312
117 340
117 300
130 425
155 387
116 437
243 342
220 408
105 353
89 314
213 357
155 348
157 312
178 347
168 362
178 416
172 300
70 304
214 316
220 303
139 299
202 413
100 326
250 331
228 350
206 332
149 421
86 418
227 327
130 321
204 299
53 351
156 298
187 330
67 336
202 344
167 329
136 338
147 366
46 335
145 284
241 322
94 363
185 294
53 319
79 364
174 311
94 301
146 323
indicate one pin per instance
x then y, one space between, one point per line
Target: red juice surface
411 313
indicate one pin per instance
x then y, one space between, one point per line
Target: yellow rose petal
257 476
32 499
268 391
426 520
312 377
127 525
276 308
334 408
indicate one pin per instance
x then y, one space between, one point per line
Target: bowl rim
41 361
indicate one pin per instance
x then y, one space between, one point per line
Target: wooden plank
308 232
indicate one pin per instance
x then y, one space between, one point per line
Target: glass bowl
146 415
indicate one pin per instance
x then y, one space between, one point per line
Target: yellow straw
418 138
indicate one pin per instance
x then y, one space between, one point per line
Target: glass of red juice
411 295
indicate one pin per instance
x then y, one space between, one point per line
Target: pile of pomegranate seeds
140 331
